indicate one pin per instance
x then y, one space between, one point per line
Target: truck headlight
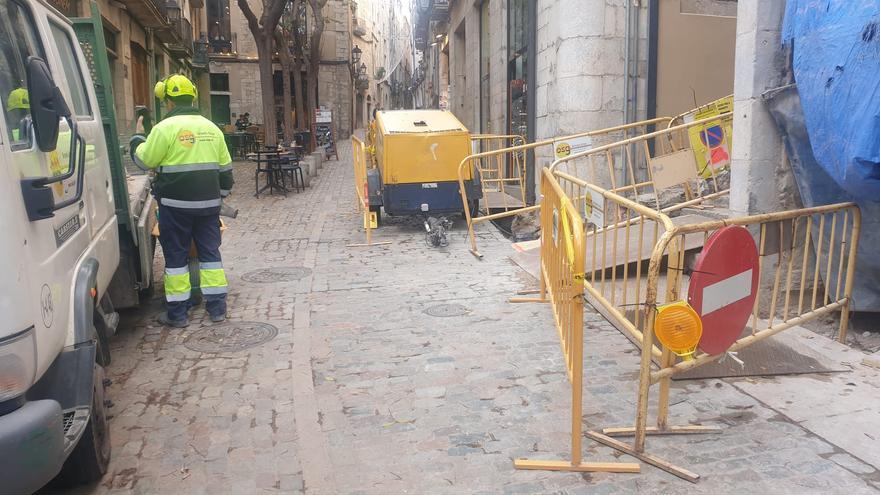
18 364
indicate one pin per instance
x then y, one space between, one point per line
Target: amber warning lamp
679 328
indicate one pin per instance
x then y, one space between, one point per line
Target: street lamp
172 11
355 55
363 69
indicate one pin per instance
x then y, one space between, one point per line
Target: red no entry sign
723 287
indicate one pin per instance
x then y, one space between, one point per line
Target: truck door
50 247
71 75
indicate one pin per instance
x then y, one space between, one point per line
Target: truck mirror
47 104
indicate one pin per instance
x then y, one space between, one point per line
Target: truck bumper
440 197
31 446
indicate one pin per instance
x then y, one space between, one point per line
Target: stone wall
581 69
498 67
580 65
334 81
761 179
464 88
334 77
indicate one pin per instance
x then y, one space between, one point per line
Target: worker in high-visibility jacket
194 171
18 108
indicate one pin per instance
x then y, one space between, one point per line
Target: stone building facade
382 30
335 76
145 40
235 75
545 68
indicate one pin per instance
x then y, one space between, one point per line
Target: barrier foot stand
583 467
516 300
541 299
381 243
648 458
669 430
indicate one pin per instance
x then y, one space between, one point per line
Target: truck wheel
89 459
378 211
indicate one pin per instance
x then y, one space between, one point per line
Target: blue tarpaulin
836 62
830 120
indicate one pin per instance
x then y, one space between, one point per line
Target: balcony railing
178 36
439 10
149 13
200 54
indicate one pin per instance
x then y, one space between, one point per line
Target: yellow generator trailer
417 155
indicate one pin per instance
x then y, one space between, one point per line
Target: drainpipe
626 85
635 89
626 73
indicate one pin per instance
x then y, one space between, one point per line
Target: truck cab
59 251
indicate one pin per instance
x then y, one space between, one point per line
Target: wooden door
140 76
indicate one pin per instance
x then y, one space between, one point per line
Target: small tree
283 44
314 56
263 30
292 40
300 43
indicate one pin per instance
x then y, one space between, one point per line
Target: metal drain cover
444 310
274 275
230 337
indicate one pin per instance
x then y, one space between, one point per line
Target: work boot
218 318
163 320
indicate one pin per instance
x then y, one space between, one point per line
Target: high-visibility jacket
195 169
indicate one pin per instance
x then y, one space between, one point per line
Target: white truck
74 240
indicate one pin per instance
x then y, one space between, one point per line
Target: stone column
761 179
309 161
318 157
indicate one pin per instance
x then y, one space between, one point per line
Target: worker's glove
133 143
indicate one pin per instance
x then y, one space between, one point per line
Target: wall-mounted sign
572 146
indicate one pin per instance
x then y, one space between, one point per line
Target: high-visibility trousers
178 229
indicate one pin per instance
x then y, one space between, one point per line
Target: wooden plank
525 246
599 467
634 252
650 459
509 198
629 431
529 261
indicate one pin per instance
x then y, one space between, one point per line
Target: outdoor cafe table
268 162
239 142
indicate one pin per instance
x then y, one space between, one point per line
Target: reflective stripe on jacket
193 162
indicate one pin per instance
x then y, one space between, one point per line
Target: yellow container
420 146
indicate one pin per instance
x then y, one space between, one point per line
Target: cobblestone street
402 369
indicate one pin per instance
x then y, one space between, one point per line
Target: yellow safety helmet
18 100
175 85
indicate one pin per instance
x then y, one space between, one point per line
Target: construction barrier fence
360 162
502 170
744 279
562 268
660 169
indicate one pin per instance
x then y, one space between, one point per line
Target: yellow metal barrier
502 175
361 187
491 142
642 167
805 269
562 268
502 170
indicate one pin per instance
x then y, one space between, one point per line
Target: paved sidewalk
402 369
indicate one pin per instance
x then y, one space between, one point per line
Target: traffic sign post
723 287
